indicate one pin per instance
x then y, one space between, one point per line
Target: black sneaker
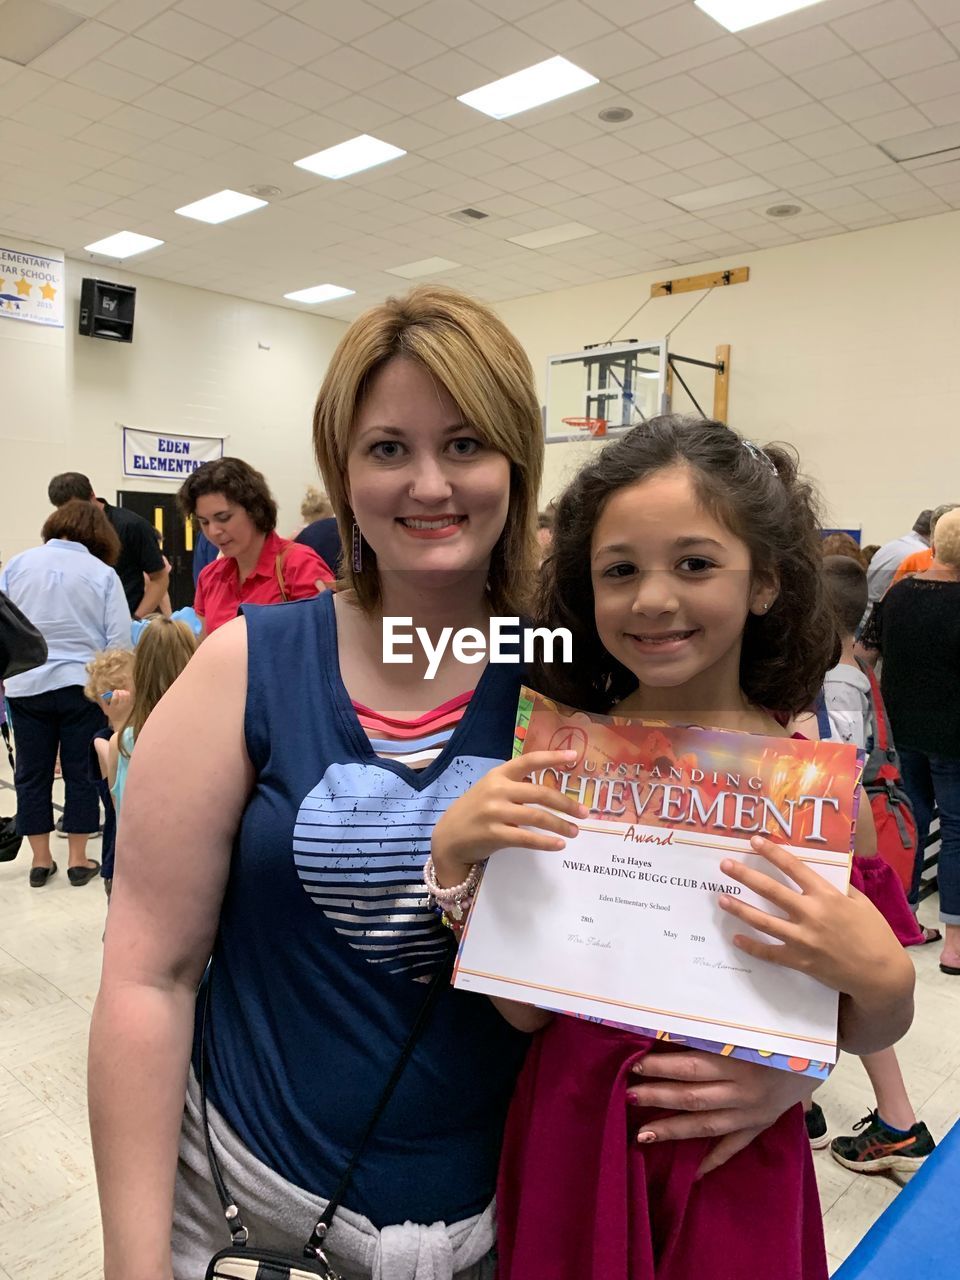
873 1148
816 1126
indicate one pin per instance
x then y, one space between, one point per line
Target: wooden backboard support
688 284
721 384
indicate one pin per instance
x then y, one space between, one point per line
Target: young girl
164 648
686 562
110 680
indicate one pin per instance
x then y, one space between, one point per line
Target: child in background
164 648
686 563
109 684
889 1139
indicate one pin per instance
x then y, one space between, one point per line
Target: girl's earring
357 539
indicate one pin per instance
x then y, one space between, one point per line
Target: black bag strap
231 1211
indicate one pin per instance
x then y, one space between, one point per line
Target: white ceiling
151 104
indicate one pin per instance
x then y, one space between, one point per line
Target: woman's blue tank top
326 938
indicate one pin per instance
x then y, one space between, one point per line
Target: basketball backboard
618 385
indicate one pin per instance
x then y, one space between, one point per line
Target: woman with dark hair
69 591
237 512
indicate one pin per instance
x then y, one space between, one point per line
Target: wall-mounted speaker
106 310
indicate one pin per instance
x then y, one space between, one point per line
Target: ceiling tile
806 49
828 142
451 73
943 110
869 101
113 82
565 132
564 25
893 184
143 59
235 17
72 100
841 76
859 160
674 94
716 114
360 113
341 21
211 86
729 75
506 50
267 107
880 24
75 50
410 133
309 91
801 120
937 82
297 42
611 55
402 92
399 45
174 106
354 70
684 155
892 124
801 174
453 21
743 137
180 34
915 54
675 30
776 95
253 66
652 134
776 155
128 15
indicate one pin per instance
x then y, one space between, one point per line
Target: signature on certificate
579 940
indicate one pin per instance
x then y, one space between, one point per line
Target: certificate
623 926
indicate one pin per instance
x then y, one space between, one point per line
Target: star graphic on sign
48 292
23 287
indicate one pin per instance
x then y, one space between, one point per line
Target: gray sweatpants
281 1216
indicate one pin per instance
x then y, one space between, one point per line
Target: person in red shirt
235 509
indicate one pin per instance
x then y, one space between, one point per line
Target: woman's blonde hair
315 505
946 539
110 669
163 650
471 353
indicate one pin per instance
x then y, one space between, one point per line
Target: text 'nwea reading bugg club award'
623 926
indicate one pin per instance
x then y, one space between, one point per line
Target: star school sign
31 287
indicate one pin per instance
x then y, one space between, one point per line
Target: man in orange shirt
920 560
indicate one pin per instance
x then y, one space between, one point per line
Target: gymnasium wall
849 347
195 366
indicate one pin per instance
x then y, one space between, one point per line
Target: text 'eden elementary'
505 641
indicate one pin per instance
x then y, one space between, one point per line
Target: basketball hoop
596 426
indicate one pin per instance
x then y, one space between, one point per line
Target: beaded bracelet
452 903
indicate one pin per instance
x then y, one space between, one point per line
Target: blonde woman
308 775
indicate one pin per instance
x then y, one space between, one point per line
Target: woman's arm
191 763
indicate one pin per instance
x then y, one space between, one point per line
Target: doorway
176 536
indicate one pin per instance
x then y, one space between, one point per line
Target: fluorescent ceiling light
553 235
735 15
31 27
319 293
928 142
221 207
544 82
122 245
725 193
350 157
425 267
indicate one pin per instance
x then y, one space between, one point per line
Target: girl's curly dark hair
761 497
237 481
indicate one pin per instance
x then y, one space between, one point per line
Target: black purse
242 1262
22 647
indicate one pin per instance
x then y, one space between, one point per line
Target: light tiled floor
50 943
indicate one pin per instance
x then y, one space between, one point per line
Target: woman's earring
357 539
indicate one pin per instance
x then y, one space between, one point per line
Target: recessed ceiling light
30 27
350 157
124 244
784 210
735 15
221 207
544 82
725 193
425 267
553 235
615 115
319 293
